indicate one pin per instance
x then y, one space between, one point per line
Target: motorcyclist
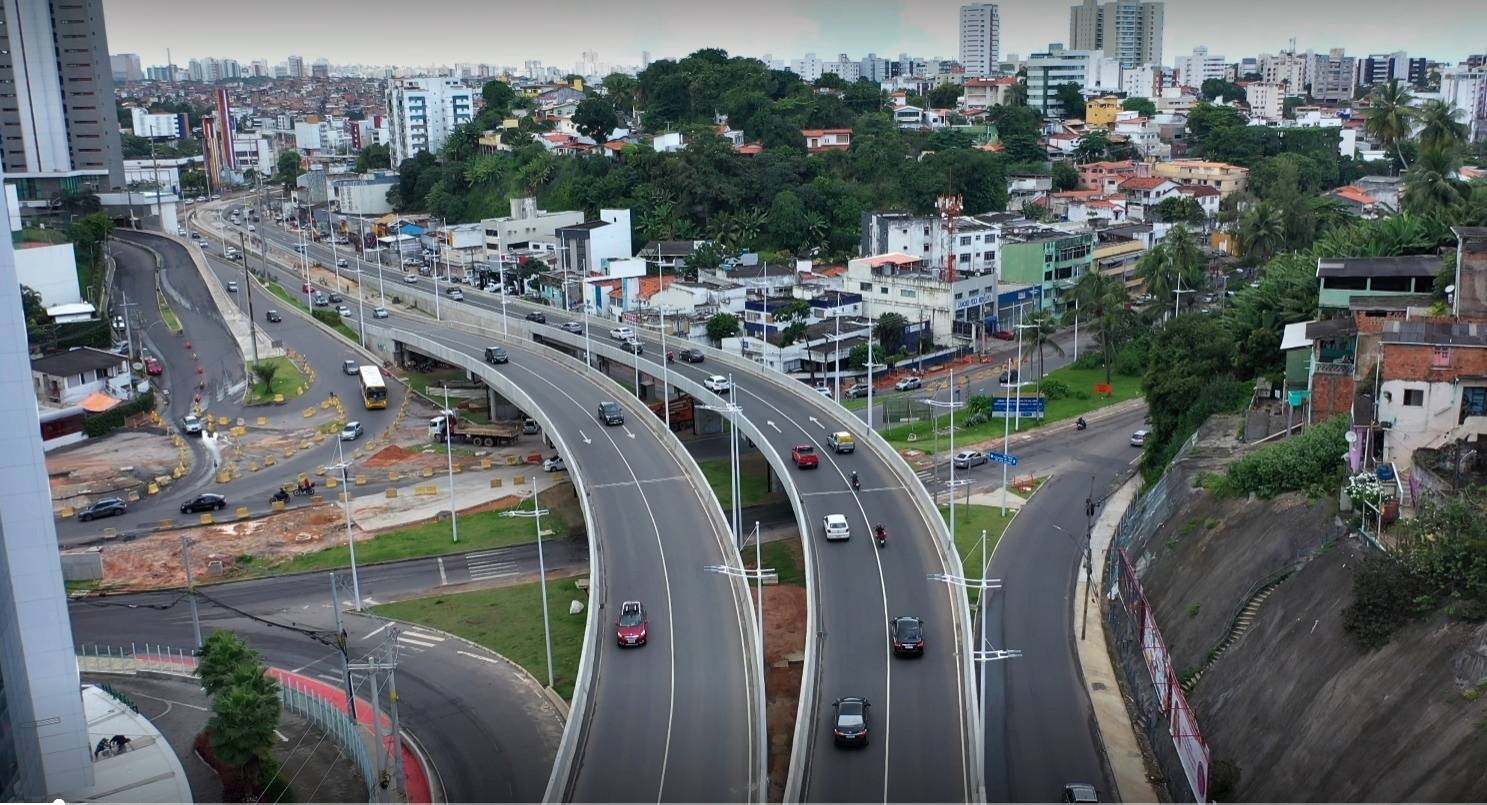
1080 424
306 486
856 484
670 357
881 534
281 495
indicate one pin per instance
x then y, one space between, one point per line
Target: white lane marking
829 493
771 423
477 657
377 631
443 577
406 639
585 437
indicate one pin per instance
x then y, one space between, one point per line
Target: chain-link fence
304 701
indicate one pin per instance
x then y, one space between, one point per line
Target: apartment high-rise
1193 70
126 67
44 750
980 38
423 112
57 118
1333 76
296 66
1128 30
1049 70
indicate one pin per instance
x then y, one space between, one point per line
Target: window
865 286
1414 397
1473 402
1440 357
965 240
907 293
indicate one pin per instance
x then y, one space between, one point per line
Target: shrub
114 418
1386 595
1090 360
1055 389
1133 358
330 317
1307 462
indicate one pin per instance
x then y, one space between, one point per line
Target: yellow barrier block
495 483
361 480
299 390
223 421
304 445
278 400
242 513
110 533
289 452
240 431
252 466
457 469
512 461
331 482
394 476
263 420
485 463
153 489
268 461
223 477
206 519
179 471
133 497
325 405
519 480
428 472
391 492
68 511
319 437
277 505
167 523
309 412
320 472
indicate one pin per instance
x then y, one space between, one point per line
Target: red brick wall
1331 395
1413 362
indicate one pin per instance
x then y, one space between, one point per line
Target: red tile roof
823 132
1354 194
749 149
1144 183
1197 190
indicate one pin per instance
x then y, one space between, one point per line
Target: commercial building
423 112
364 195
57 118
159 126
1128 30
926 237
586 249
922 292
1051 69
525 225
125 67
1049 259
1194 69
980 38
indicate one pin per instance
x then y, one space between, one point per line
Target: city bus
373 390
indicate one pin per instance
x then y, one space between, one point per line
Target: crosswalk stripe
490 565
406 639
329 677
479 554
422 636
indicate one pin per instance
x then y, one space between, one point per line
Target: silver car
351 432
967 459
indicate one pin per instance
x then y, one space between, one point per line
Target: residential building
821 140
1208 199
1194 69
984 93
670 255
1105 177
1334 77
57 117
1266 101
68 378
980 38
1147 81
1047 258
1101 112
586 249
1227 179
923 293
1051 69
125 67
1130 31
423 112
1381 68
296 66
1342 281
1467 90
927 238
1144 193
1287 69
1117 254
1359 203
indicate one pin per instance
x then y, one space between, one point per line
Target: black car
850 727
538 318
1080 792
204 503
1006 377
907 635
610 413
273 315
691 355
107 507
335 298
496 355
634 347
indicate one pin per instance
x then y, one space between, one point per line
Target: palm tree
1175 263
1155 271
1390 116
1262 232
1440 127
1040 336
1101 300
1428 186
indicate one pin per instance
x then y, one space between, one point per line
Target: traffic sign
1001 458
1028 406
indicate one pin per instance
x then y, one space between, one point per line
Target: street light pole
870 367
346 500
536 513
248 293
454 515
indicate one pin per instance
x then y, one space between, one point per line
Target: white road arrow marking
628 433
771 423
818 423
586 439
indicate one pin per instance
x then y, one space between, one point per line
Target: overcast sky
556 31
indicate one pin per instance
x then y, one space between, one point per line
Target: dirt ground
155 561
784 637
115 465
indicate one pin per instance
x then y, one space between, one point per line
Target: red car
306 287
1004 335
805 457
153 366
630 629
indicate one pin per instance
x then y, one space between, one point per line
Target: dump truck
496 434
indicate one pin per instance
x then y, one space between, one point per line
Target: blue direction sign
1028 406
1002 458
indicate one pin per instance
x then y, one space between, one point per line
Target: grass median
1080 400
172 322
331 319
508 621
479 531
754 481
287 380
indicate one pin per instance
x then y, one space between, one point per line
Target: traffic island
275 381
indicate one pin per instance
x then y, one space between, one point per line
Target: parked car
496 355
631 626
906 634
857 390
850 727
379 313
191 424
836 527
967 459
204 503
105 507
153 367
715 383
691 355
908 383
273 315
350 367
554 464
351 432
805 457
1138 439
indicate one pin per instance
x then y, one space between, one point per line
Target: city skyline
785 30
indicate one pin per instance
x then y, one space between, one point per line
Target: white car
344 312
1138 439
908 383
252 228
836 527
622 333
716 383
554 464
411 279
379 313
191 424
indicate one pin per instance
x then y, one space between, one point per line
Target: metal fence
136 657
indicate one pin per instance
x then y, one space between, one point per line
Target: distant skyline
557 32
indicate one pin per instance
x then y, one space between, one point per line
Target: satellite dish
1350 436
1450 289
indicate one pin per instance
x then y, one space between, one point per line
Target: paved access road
653 731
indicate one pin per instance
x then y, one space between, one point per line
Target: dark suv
107 507
610 413
496 355
537 318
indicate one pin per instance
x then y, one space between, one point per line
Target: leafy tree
1101 301
1141 105
787 221
945 95
1257 316
620 89
948 138
794 315
1390 116
287 168
1017 94
1023 148
1096 146
78 202
1180 209
860 354
1262 232
221 655
498 97
1070 96
1190 376
1065 176
1214 88
595 118
721 326
888 330
1205 118
373 157
193 182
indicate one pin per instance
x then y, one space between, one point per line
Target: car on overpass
906 633
1080 792
379 313
850 727
691 355
631 627
842 442
106 507
411 279
836 527
610 413
537 318
496 355
634 346
572 327
715 383
805 457
622 333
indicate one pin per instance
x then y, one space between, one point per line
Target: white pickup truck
622 333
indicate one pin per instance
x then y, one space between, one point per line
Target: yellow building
1227 179
1117 258
1101 112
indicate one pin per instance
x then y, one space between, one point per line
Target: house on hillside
821 140
70 378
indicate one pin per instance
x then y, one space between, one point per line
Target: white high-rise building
980 38
1466 89
1057 66
423 112
1193 70
1128 30
1287 69
1266 101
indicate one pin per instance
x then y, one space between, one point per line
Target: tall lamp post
984 654
343 466
870 366
536 513
950 404
732 409
449 415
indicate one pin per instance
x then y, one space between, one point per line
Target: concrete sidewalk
1117 734
378 512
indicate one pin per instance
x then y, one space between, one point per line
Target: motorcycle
279 497
1080 425
305 491
856 484
881 535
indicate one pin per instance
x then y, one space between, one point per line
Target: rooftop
76 361
148 771
1456 334
1413 265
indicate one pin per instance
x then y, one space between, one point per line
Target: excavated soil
784 637
125 461
155 561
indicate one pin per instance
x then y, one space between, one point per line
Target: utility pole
454 515
335 602
248 290
1089 530
372 665
191 588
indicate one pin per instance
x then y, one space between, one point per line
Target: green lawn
421 382
970 521
477 532
783 556
1081 400
169 316
508 621
287 380
755 482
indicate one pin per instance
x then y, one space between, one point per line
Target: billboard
1028 406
